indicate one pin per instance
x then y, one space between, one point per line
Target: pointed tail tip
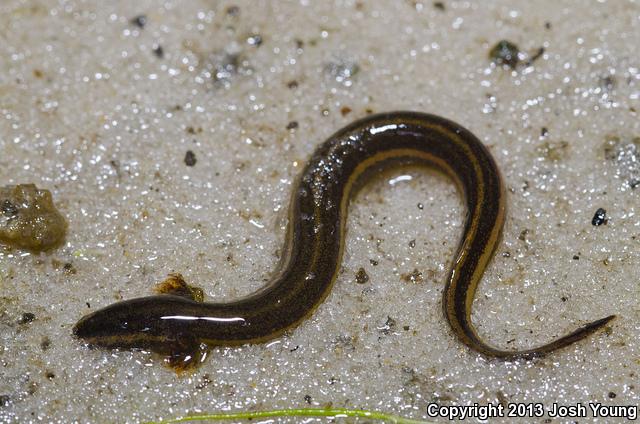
601 322
562 342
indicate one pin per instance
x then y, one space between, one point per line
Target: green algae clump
505 53
29 220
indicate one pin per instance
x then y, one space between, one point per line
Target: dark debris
158 51
505 53
254 40
27 317
190 158
599 218
140 21
361 276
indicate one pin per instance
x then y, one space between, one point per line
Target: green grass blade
302 412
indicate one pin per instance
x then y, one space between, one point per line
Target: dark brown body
315 241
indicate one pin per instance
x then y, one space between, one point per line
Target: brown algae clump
29 219
176 285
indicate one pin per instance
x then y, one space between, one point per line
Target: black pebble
159 52
190 158
599 218
27 317
140 21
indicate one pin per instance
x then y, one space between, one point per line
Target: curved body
315 242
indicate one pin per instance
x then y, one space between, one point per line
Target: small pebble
361 276
599 218
27 317
254 40
140 21
342 71
158 51
190 158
